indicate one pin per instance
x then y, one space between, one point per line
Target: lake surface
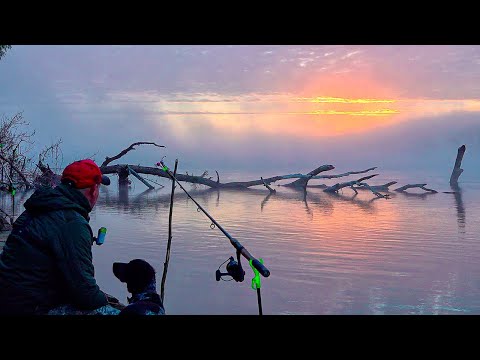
416 253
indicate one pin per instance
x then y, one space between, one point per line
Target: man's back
47 258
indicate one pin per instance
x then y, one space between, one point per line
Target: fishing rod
234 268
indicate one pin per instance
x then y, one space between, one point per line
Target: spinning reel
234 269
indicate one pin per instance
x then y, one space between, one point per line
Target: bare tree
3 49
16 143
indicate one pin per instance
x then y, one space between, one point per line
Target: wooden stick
169 243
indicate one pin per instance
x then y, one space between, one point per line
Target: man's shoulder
72 221
72 215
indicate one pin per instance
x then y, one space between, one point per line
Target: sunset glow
382 112
228 99
342 100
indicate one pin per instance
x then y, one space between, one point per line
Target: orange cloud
354 85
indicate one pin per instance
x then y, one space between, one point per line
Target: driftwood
384 187
342 175
303 180
338 186
411 186
267 186
323 186
360 182
375 192
457 171
208 182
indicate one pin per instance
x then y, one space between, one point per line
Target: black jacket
47 258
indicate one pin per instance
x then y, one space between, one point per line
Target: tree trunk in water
457 171
123 176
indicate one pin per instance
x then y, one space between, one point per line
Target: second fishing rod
236 244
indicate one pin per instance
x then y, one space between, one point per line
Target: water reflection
459 206
323 200
264 201
126 199
123 191
342 253
365 205
420 196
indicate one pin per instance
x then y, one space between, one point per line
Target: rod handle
261 268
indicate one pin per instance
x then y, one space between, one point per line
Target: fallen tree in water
18 170
302 180
48 177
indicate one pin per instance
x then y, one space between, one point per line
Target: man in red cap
46 262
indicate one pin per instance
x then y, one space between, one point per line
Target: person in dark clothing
47 259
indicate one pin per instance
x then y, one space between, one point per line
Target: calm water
328 254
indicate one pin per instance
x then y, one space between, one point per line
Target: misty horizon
244 107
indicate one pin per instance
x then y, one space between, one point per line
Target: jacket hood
62 197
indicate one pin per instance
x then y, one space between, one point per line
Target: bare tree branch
303 181
338 186
384 187
27 183
267 186
342 175
108 160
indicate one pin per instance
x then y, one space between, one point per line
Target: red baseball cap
84 174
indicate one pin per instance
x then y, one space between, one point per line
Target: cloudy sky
238 107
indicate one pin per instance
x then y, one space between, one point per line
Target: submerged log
411 186
338 186
371 188
303 180
267 186
384 187
208 182
343 175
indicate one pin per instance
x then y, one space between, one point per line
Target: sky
274 109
